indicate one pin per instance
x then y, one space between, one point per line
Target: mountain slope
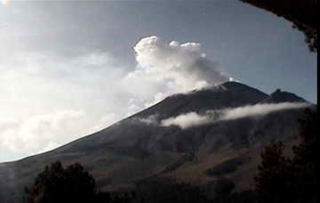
139 147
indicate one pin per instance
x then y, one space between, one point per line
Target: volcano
140 147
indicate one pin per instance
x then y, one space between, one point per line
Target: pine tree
290 180
56 184
304 160
274 176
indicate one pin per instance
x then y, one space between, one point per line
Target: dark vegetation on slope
283 179
73 184
302 13
56 184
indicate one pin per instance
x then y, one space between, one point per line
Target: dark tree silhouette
56 184
305 153
305 159
271 183
282 179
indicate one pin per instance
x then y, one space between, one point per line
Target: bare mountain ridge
133 150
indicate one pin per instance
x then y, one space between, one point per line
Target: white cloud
194 119
187 120
105 121
156 99
150 120
43 132
259 110
50 146
38 88
5 2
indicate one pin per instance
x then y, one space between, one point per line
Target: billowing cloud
43 132
187 120
194 119
172 67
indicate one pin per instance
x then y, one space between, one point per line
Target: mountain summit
279 96
231 122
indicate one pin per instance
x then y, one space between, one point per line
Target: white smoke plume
168 68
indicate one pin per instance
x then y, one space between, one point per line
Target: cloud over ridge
193 119
260 109
187 120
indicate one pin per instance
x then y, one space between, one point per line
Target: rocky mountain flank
140 147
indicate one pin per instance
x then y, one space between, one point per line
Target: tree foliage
274 175
56 184
282 179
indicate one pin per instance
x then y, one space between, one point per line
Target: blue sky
69 68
